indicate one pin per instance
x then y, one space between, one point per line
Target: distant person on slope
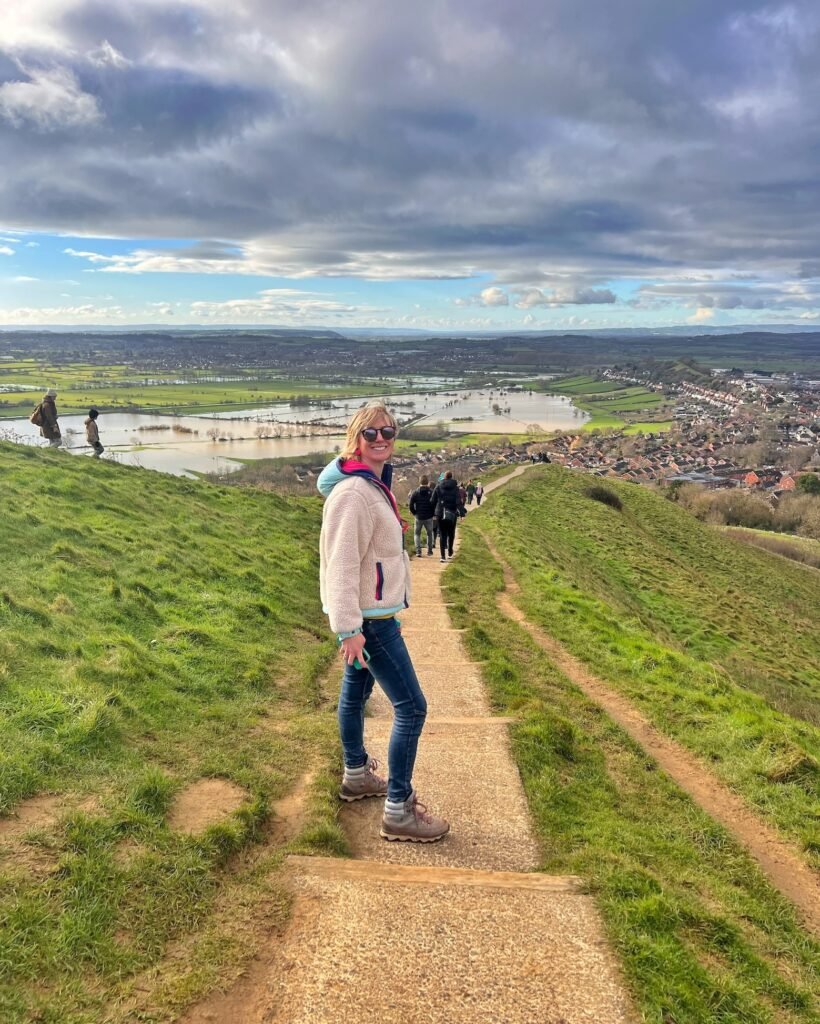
45 417
449 509
479 491
365 582
422 507
470 488
92 433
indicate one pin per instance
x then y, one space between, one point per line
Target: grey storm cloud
552 146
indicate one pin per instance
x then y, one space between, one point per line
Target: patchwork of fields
606 401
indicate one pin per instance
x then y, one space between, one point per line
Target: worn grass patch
153 632
702 935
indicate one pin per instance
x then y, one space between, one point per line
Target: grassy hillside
701 934
153 632
716 641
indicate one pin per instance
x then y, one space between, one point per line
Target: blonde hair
365 417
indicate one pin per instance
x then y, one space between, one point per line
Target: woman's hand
352 648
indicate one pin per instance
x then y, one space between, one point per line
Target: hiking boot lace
421 812
372 768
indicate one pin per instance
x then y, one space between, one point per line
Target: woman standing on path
365 582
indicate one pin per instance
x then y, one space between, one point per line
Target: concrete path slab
466 773
448 694
373 950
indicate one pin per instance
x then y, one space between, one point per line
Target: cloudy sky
446 163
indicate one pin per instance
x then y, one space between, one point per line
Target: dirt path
779 860
464 930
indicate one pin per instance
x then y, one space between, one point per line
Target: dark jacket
421 502
446 492
49 428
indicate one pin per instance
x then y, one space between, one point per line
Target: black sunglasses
371 433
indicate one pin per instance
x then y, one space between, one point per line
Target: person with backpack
479 491
45 417
422 507
92 433
449 509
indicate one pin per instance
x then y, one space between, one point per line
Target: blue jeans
428 526
391 667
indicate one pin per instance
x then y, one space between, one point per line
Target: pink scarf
356 466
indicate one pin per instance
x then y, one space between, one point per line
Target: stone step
465 773
448 692
420 945
404 874
445 645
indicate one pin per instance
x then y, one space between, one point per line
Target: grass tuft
603 494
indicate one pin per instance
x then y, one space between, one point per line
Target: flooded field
215 442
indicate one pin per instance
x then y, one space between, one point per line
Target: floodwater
179 445
214 442
489 411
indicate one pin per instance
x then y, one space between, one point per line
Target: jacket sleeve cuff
349 633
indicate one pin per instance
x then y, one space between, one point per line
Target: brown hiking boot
416 825
365 785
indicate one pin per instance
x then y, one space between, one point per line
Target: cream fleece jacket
364 570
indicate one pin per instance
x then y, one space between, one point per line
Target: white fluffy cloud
282 305
564 294
494 297
51 98
86 313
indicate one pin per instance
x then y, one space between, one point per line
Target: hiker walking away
45 417
449 508
470 492
479 491
462 494
365 581
422 507
92 433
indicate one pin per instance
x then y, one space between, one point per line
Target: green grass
149 637
650 427
606 401
584 384
701 934
715 641
799 549
112 392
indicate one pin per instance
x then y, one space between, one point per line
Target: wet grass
153 631
702 936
